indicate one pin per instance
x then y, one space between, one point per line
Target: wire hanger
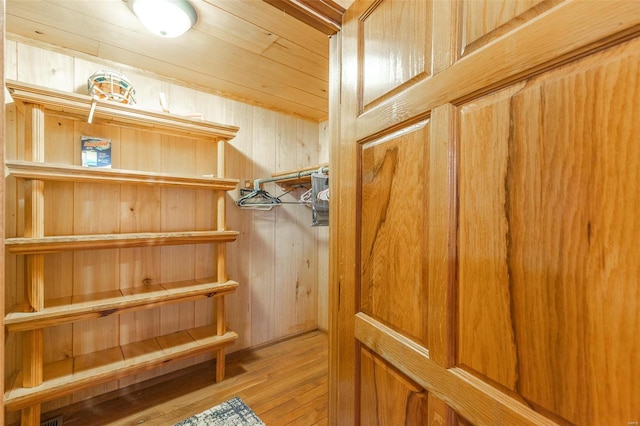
258 199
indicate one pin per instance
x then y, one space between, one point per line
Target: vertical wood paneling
10 63
140 150
287 240
90 336
263 234
306 302
178 214
239 151
322 238
39 66
94 271
140 211
177 262
58 343
267 142
205 218
59 220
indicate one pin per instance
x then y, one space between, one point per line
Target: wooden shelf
62 173
70 309
39 382
84 371
78 106
53 244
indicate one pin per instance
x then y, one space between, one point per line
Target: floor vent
52 422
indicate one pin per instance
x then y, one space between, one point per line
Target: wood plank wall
280 261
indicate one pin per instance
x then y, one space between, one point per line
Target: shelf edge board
53 244
63 173
25 321
19 398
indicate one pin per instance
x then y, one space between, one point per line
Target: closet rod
258 182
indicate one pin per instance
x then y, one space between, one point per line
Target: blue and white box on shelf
96 152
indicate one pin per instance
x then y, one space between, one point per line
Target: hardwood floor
284 384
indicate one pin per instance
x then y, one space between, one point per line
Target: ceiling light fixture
166 18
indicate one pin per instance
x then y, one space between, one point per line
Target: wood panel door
485 179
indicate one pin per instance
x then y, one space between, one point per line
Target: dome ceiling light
166 18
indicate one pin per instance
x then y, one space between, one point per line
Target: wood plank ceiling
273 54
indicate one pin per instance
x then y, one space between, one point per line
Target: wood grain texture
178 213
394 287
444 37
289 288
295 282
442 249
31 415
391 59
484 307
485 20
388 396
322 233
34 225
556 237
333 292
343 302
459 390
306 289
323 15
264 268
33 359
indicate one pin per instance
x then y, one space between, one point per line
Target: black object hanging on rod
319 203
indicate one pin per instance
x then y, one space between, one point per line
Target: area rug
233 412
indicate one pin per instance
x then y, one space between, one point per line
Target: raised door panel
548 225
388 397
394 288
485 336
484 20
396 47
